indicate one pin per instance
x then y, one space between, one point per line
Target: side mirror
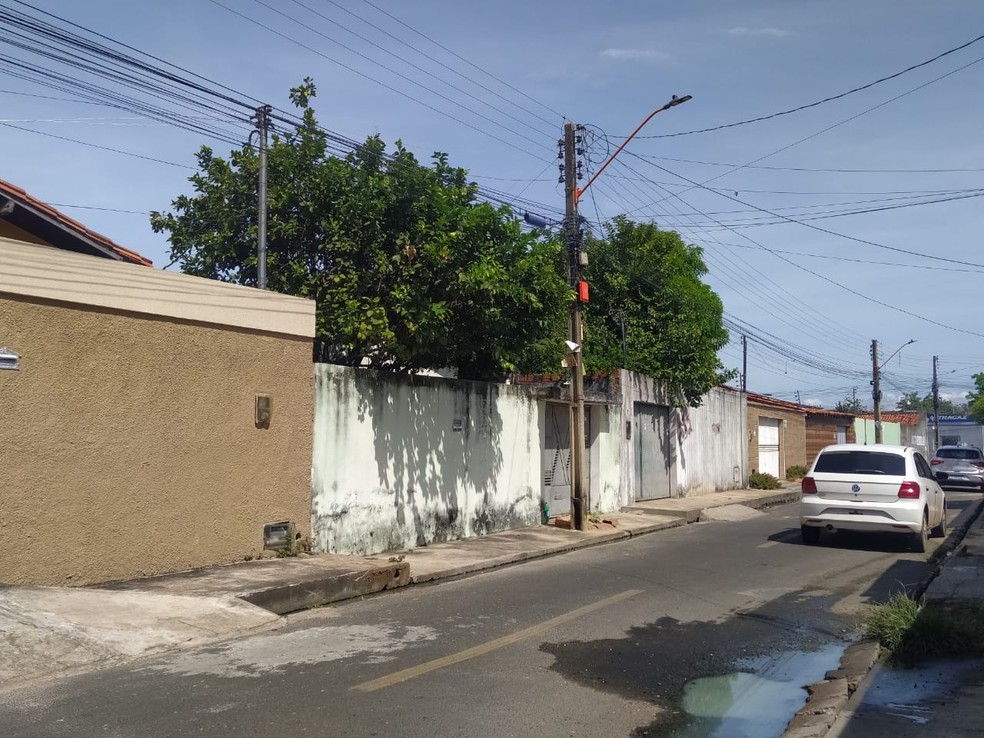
941 476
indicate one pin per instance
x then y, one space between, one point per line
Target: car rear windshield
860 462
958 453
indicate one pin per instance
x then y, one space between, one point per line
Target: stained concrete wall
606 455
404 461
708 443
128 445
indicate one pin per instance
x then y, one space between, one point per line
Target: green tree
911 401
975 400
850 404
408 268
650 280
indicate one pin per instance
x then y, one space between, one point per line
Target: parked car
880 488
963 466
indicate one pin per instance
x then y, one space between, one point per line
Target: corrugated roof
28 201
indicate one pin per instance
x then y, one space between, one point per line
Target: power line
461 58
426 56
809 225
399 92
824 100
838 284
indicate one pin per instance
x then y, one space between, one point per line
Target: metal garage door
557 460
652 451
768 441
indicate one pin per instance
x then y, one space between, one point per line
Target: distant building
956 430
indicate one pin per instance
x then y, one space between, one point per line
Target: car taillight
909 490
978 464
808 486
935 462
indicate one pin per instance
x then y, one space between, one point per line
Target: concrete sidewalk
941 698
47 631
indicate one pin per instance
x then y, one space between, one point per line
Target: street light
876 382
579 503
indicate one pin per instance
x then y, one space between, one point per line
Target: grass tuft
912 634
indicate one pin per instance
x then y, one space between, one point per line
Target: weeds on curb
912 634
763 480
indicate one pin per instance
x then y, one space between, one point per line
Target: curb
560 548
311 593
827 698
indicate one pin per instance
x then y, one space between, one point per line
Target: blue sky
798 288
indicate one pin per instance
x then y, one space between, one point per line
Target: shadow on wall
439 469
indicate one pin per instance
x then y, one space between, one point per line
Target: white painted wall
606 457
401 462
709 443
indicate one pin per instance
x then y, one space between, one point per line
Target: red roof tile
32 203
805 409
902 418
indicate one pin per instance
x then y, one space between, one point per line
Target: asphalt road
600 642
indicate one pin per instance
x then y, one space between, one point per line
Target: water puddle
912 694
758 700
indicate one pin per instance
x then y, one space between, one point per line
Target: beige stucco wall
128 445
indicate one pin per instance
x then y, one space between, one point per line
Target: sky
772 203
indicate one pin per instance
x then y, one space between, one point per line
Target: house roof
64 277
758 399
902 418
59 230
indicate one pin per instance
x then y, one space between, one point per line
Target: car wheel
940 530
920 540
811 535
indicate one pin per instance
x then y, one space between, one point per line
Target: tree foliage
911 401
408 268
975 400
649 280
850 404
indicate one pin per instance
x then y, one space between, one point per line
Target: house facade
776 435
153 422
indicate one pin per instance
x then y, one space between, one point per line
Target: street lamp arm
885 363
578 191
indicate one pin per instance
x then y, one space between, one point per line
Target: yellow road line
484 648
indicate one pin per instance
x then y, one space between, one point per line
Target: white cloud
646 55
769 31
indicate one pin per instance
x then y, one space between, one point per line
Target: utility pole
744 364
876 390
262 122
573 234
936 405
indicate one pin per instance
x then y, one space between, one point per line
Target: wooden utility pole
744 364
262 121
576 352
876 390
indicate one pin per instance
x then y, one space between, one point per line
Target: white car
879 488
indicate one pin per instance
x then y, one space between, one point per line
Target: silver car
962 465
878 488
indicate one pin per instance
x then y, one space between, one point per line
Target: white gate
768 443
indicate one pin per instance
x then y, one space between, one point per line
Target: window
968 454
860 462
922 467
